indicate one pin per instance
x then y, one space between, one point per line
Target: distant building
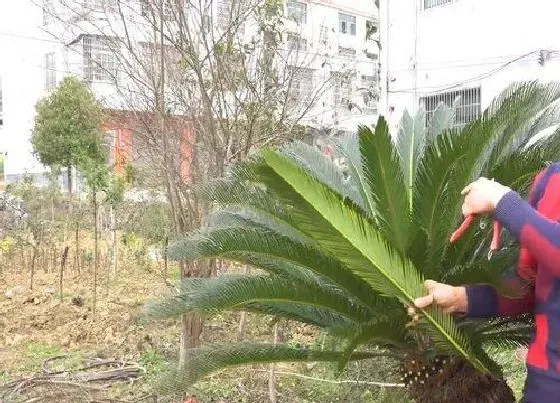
336 38
438 50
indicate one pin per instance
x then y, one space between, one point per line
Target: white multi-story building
436 50
42 42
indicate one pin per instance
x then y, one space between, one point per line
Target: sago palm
347 248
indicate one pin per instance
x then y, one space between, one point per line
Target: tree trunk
69 176
23 267
114 253
165 263
61 275
78 262
95 252
192 324
191 329
271 375
32 267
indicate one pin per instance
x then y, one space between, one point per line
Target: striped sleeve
537 231
485 301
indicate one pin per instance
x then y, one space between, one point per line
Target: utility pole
384 27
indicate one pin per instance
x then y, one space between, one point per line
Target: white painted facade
435 46
33 61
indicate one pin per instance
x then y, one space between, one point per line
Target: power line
475 78
31 38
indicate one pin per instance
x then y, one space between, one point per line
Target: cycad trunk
192 323
457 382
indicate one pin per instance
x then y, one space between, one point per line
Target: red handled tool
494 245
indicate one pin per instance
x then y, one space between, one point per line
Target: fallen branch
66 380
344 381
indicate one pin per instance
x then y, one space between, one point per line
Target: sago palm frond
519 113
233 293
323 169
206 360
312 315
245 242
346 249
385 182
411 141
348 147
392 275
442 120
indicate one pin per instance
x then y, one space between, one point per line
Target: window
100 62
466 103
170 9
348 53
347 24
152 58
297 11
229 18
324 35
50 72
343 85
48 11
302 84
368 81
427 4
100 5
223 12
296 43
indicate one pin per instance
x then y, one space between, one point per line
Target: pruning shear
494 245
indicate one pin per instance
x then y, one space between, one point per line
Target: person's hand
482 196
451 299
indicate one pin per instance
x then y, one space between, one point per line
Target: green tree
348 249
67 129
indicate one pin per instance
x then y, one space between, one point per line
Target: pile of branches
88 383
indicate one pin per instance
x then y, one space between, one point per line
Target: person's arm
539 234
486 301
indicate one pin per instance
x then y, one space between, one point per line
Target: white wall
21 67
467 44
24 44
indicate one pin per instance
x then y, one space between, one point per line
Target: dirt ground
35 325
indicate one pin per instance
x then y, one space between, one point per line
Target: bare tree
201 83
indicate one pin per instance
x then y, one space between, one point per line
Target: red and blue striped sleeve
537 230
485 301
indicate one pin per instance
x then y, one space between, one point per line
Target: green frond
385 183
322 168
442 120
317 316
473 152
281 267
348 147
240 194
411 141
244 242
388 273
202 362
483 271
519 168
517 115
389 332
434 206
236 216
234 293
501 323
